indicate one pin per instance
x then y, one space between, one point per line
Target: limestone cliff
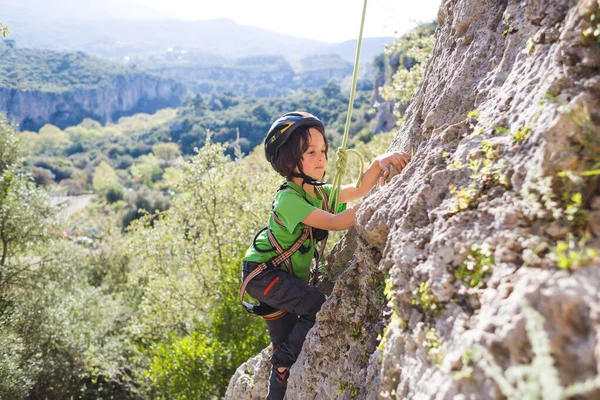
449 286
120 95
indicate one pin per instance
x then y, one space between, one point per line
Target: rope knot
342 161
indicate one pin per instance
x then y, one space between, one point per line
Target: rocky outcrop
450 285
122 95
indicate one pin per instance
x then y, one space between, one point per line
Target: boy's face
314 159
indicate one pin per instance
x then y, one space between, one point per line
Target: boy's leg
281 290
279 330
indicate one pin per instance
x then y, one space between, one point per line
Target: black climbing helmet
282 129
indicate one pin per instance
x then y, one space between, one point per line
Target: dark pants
302 302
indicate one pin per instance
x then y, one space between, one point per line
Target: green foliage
147 170
593 30
479 262
573 254
51 141
520 134
17 377
143 201
574 211
473 114
538 380
189 259
114 194
530 46
24 209
486 172
413 50
105 177
60 167
69 328
51 71
452 165
348 387
424 298
466 371
465 197
225 114
507 21
192 367
432 345
166 152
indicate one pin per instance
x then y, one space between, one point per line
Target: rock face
123 95
449 287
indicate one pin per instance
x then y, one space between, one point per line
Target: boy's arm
331 222
380 164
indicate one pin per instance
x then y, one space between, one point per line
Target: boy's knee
317 299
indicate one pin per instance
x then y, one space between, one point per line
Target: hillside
253 76
38 87
474 274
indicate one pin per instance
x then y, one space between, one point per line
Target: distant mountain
254 76
371 47
44 86
100 28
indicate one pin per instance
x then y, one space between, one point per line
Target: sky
325 20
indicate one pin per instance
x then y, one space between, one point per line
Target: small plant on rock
466 372
572 254
424 298
479 262
465 197
349 388
593 31
432 346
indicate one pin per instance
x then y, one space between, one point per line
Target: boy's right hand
388 160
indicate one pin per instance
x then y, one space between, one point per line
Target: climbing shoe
282 377
277 384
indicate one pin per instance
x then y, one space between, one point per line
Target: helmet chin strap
307 179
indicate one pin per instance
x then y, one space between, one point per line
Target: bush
61 168
189 368
114 194
42 176
144 199
73 187
124 161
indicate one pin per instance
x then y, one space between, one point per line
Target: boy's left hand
386 161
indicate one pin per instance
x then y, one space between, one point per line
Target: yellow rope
342 153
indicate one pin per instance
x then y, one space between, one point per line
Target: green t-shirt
291 206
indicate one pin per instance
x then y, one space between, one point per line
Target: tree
24 208
414 50
166 152
51 140
105 177
147 169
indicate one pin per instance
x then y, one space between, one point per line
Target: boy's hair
290 153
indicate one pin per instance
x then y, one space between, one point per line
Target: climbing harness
284 257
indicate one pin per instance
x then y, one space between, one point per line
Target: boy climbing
277 265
